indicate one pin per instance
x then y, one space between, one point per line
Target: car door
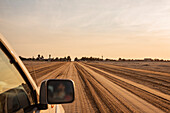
15 95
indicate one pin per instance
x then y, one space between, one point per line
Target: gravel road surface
108 88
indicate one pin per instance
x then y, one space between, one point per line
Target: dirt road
108 88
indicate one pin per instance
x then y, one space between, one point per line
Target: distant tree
52 59
33 58
91 58
107 59
69 58
65 58
123 59
120 59
38 57
76 59
42 57
61 59
83 58
161 60
56 59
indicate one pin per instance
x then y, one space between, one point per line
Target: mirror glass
60 91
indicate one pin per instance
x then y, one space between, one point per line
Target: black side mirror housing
56 91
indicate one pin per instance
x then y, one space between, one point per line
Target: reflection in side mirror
60 91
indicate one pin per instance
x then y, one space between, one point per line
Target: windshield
116 51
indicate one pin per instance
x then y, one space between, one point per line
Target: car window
15 95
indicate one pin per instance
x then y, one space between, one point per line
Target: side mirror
56 91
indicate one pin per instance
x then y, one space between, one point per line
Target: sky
109 28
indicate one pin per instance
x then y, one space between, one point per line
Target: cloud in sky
73 27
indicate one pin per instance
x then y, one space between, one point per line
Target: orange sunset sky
112 28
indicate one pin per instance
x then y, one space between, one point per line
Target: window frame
21 72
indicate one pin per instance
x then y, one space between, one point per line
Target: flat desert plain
109 87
